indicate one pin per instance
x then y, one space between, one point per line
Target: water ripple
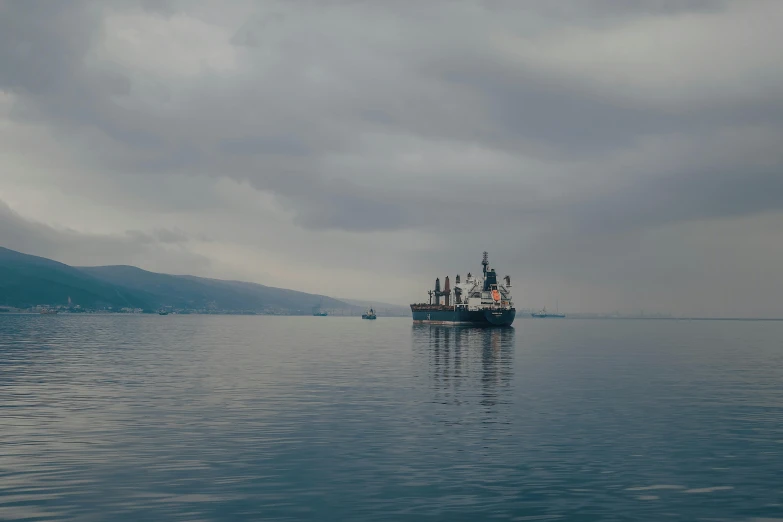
265 418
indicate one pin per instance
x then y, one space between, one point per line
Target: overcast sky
609 154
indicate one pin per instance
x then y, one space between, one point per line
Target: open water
325 418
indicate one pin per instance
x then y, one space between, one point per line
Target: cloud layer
612 155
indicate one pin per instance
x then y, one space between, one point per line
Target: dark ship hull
451 315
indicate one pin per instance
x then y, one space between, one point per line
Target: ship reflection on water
466 364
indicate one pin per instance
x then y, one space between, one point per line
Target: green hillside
198 293
27 281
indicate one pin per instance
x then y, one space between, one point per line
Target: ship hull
466 317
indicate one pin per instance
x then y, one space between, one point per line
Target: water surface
326 418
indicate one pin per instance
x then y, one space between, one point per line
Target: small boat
48 311
163 312
370 314
317 310
543 313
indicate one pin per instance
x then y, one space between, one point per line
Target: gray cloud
592 9
552 133
72 246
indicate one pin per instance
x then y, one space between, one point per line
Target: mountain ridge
27 281
193 292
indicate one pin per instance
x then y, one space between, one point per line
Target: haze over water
291 418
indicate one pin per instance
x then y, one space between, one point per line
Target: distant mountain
198 293
27 281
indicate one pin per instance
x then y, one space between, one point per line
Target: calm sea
339 419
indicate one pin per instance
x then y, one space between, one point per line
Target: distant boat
370 314
543 313
317 310
48 311
163 312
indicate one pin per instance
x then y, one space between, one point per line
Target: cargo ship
478 301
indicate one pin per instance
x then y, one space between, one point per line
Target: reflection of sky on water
250 418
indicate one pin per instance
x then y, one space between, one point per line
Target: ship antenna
485 262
